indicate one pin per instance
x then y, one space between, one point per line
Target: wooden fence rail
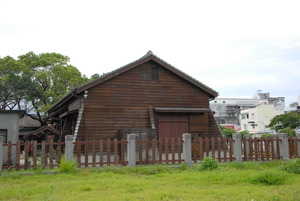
261 149
293 147
161 151
218 148
33 154
103 152
92 153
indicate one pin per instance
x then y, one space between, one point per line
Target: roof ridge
148 54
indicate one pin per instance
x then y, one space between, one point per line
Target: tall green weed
67 167
208 164
269 178
292 166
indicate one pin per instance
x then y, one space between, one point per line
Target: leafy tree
243 133
12 83
228 132
291 132
95 76
35 82
287 120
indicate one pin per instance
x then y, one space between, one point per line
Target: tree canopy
288 120
228 132
35 82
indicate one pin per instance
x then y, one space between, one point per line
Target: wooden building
146 96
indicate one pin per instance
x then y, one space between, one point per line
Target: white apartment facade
256 120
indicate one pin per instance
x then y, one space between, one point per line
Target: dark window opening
3 133
149 73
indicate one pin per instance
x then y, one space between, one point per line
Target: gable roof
148 57
42 130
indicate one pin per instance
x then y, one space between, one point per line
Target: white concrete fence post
1 154
69 147
237 147
284 146
298 143
144 138
187 148
131 155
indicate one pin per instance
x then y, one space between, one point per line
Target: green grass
231 181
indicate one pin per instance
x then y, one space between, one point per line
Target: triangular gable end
148 57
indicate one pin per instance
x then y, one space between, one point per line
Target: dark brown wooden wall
199 123
123 102
214 130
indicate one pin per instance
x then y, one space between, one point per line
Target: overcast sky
234 47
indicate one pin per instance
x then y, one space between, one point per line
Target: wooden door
172 125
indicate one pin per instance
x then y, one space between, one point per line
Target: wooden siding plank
125 101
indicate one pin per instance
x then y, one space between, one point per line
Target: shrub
266 135
38 170
291 132
183 166
269 178
243 133
293 166
209 164
67 166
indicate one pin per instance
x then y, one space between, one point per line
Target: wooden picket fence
93 153
263 149
103 152
44 154
293 147
218 148
259 149
161 151
112 152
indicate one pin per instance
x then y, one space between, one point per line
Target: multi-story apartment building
227 110
256 120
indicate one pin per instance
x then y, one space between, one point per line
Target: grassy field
232 181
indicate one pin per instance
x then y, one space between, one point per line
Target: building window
149 73
3 133
252 116
245 116
223 101
215 101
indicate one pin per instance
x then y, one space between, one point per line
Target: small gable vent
149 72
